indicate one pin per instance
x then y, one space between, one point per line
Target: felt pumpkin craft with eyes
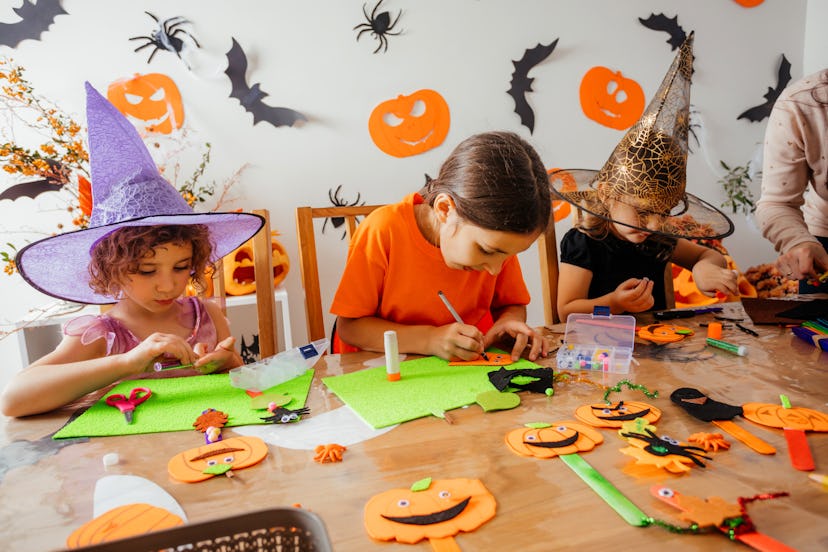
436 510
239 273
199 464
410 125
549 440
153 98
611 99
615 414
662 452
775 415
121 522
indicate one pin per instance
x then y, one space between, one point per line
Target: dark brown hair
117 254
497 181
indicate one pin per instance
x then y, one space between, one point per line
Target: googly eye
531 438
665 492
229 459
285 418
561 428
294 416
606 411
403 503
622 409
212 462
444 494
668 439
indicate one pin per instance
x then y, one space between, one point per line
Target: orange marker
392 356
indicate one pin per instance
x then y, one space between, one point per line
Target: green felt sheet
176 403
427 385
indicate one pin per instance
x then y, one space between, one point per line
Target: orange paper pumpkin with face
561 208
445 508
775 415
153 98
613 415
550 440
125 521
239 274
198 464
409 125
611 99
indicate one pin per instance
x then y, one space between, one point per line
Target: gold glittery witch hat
648 167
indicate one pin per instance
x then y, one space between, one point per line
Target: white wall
305 56
816 39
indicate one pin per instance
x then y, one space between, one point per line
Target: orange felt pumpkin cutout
561 208
239 274
409 125
125 521
550 440
664 333
775 415
611 99
199 464
445 508
153 98
615 414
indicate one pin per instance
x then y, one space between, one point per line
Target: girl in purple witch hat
143 246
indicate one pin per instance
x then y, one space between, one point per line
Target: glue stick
392 357
740 350
714 330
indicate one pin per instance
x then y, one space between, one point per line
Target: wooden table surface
541 504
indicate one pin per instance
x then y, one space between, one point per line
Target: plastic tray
598 343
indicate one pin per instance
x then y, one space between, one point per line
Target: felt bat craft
251 96
521 83
35 19
669 25
759 112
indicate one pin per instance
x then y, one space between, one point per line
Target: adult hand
633 295
805 260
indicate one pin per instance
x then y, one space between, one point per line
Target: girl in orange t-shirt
460 235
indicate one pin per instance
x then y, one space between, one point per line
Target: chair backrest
263 273
308 262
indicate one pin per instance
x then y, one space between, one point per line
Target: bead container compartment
597 342
281 367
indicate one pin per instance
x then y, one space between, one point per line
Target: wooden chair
263 272
308 261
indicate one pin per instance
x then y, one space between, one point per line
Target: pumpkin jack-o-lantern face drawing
239 272
409 125
440 511
549 440
776 415
152 98
610 98
613 415
218 458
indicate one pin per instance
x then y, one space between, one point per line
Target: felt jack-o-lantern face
443 509
775 415
613 415
561 208
153 98
219 458
121 522
409 125
550 440
611 99
239 274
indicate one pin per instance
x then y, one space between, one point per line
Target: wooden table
542 505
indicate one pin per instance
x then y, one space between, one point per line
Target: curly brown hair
117 255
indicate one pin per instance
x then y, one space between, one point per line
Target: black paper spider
165 36
663 446
379 25
337 201
285 415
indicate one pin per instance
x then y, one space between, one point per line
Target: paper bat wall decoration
36 18
59 175
783 77
669 25
521 83
251 96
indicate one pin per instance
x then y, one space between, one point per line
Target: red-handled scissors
127 405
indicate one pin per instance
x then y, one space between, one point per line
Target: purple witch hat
127 190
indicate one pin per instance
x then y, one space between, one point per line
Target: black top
613 260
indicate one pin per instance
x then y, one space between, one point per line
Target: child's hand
224 356
633 295
159 345
710 278
523 336
461 341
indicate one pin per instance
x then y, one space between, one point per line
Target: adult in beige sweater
793 208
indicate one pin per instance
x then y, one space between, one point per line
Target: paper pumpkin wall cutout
410 125
611 99
561 208
152 98
36 18
615 414
166 36
125 521
199 464
761 111
748 3
669 25
648 449
239 274
775 415
521 84
445 508
543 440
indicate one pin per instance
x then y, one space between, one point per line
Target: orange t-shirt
394 273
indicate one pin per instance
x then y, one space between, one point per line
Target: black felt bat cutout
251 96
521 83
30 189
36 18
669 25
783 77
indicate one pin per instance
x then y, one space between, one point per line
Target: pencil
456 316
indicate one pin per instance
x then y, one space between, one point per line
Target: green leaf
421 485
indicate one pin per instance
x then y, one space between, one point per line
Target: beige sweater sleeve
796 145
